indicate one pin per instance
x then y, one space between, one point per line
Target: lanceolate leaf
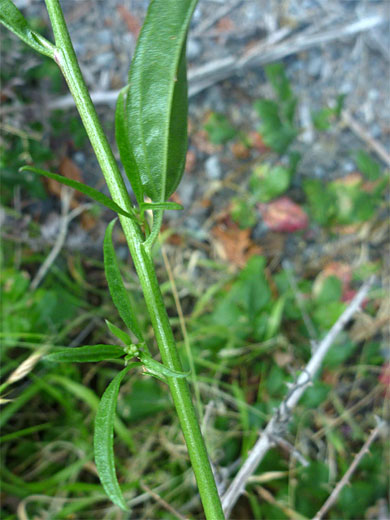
120 334
87 354
104 438
157 99
13 19
87 190
115 284
158 369
125 148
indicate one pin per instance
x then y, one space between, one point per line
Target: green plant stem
67 61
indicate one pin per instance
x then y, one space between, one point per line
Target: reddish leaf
283 215
340 270
257 142
384 376
133 24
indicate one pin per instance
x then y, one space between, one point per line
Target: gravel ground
337 62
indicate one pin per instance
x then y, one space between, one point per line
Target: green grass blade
86 354
115 284
83 188
13 19
103 440
87 396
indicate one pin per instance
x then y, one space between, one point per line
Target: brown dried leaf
233 244
225 24
190 161
70 170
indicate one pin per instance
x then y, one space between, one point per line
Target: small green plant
151 134
325 117
219 128
277 126
348 200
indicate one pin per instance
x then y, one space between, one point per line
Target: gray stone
104 36
213 168
194 49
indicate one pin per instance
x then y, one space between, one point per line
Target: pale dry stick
275 47
281 417
26 366
224 10
347 475
264 53
349 411
183 327
288 511
361 132
66 218
295 454
162 502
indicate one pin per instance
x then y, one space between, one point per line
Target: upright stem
67 61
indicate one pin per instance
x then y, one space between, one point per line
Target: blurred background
286 197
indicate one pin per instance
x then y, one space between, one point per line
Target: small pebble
104 36
349 166
186 193
104 59
194 49
213 168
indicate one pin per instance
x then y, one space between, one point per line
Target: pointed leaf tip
103 440
93 194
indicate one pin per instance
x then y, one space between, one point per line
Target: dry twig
162 502
66 218
372 143
277 424
278 45
347 475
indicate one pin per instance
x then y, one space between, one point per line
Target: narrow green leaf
158 369
115 284
275 318
366 165
13 19
120 334
160 205
104 439
157 99
86 354
124 146
83 188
